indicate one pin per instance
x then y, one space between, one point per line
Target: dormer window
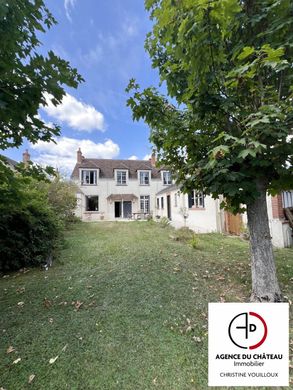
121 177
88 176
167 180
144 178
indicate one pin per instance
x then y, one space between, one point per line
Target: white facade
126 194
207 217
126 189
280 229
202 218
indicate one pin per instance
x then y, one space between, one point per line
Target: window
145 204
162 202
88 176
167 178
158 203
121 177
196 199
144 178
92 203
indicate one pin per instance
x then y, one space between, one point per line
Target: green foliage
183 234
29 228
26 76
227 63
32 217
62 197
164 222
194 242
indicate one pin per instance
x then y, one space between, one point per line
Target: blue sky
104 40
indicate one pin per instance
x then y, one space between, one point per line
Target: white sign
248 344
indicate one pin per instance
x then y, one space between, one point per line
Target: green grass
139 291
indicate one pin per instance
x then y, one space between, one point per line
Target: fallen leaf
16 361
47 303
10 349
78 304
53 360
51 320
20 304
197 339
64 348
31 378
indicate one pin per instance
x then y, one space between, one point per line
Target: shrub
30 228
194 241
164 222
183 234
62 197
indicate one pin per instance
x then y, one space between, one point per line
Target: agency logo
248 330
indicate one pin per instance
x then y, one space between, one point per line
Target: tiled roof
9 161
107 166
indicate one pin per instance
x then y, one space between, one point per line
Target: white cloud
133 158
147 156
62 155
68 5
76 114
130 27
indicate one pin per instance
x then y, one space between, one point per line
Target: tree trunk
265 286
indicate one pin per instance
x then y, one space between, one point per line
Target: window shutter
190 200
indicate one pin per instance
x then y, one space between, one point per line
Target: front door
169 206
118 209
127 209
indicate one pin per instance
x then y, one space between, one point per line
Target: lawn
124 307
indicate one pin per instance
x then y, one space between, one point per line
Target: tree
26 76
228 66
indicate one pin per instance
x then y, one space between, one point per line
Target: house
200 213
12 163
203 214
117 189
138 189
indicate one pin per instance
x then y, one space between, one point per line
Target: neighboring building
117 189
8 162
203 214
12 163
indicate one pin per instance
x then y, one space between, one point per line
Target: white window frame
83 183
198 199
166 182
140 175
145 200
121 183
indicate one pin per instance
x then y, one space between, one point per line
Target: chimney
79 156
26 157
153 159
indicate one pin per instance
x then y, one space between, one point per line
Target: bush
183 234
194 242
32 217
62 197
164 222
28 236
